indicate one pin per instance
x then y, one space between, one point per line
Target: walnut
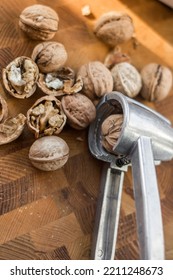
49 56
114 57
39 22
97 79
20 77
3 109
61 82
157 82
114 28
49 153
79 109
11 128
127 79
110 131
46 117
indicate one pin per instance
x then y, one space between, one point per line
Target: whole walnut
127 79
49 56
39 22
97 79
157 82
110 131
79 109
114 28
49 153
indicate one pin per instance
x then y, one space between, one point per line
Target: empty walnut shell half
157 82
61 82
20 77
39 22
110 131
114 28
49 56
97 80
79 109
127 79
3 109
49 153
11 129
46 117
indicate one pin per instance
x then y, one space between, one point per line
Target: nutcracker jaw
146 138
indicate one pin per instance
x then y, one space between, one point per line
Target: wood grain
50 215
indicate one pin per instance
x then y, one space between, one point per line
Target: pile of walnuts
70 97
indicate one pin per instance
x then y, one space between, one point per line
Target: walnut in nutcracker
79 109
97 80
127 79
46 117
114 28
157 82
20 77
39 22
49 56
61 82
49 153
110 131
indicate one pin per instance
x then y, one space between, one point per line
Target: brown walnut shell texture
3 109
11 129
114 28
97 79
110 131
61 82
157 82
127 79
46 117
39 22
20 77
49 56
49 153
79 109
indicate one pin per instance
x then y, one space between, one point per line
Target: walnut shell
61 82
114 28
46 117
39 22
49 153
157 82
11 129
110 131
97 79
3 109
20 77
127 79
79 109
114 57
49 56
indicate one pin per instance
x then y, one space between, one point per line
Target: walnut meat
49 153
20 77
114 28
97 80
11 129
46 117
110 131
114 57
61 82
157 82
127 79
39 22
49 56
3 109
79 109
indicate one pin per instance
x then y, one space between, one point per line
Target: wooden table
50 215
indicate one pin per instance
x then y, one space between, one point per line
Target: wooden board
50 215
